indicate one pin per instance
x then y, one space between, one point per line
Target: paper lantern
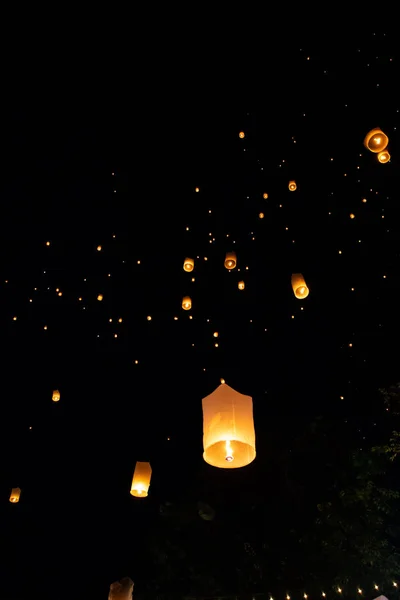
299 286
187 303
241 285
384 156
56 396
241 134
265 196
292 186
376 140
121 590
229 439
15 495
100 297
188 265
230 260
141 480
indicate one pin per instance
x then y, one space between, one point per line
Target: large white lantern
229 439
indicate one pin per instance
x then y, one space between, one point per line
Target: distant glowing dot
364 200
119 320
359 590
265 196
197 189
241 134
222 380
136 362
47 243
215 334
115 335
148 318
45 327
14 318
261 215
98 248
100 297
342 397
352 216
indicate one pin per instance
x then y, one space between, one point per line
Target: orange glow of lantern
384 156
187 303
141 480
15 495
292 185
265 196
188 265
376 140
230 260
241 134
241 285
56 396
299 286
229 439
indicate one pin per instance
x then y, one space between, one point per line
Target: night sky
99 197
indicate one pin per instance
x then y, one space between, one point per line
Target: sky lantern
384 156
241 134
292 185
376 140
15 495
241 285
188 265
141 480
56 396
230 260
265 195
187 303
121 590
100 297
229 439
299 286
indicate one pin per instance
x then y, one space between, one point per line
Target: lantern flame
228 451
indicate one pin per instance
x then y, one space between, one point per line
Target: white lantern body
229 439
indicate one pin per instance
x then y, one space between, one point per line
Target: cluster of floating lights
376 141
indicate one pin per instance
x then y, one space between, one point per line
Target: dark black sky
163 131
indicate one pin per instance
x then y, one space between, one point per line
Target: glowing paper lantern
230 260
141 480
187 303
384 156
56 396
241 134
121 590
188 265
100 297
299 286
376 140
265 196
292 186
229 439
241 285
15 495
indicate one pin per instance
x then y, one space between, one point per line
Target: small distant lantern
261 215
352 216
15 495
292 185
241 134
299 286
98 248
197 189
384 156
230 260
100 297
187 303
376 140
229 439
56 396
141 480
188 265
241 285
265 196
